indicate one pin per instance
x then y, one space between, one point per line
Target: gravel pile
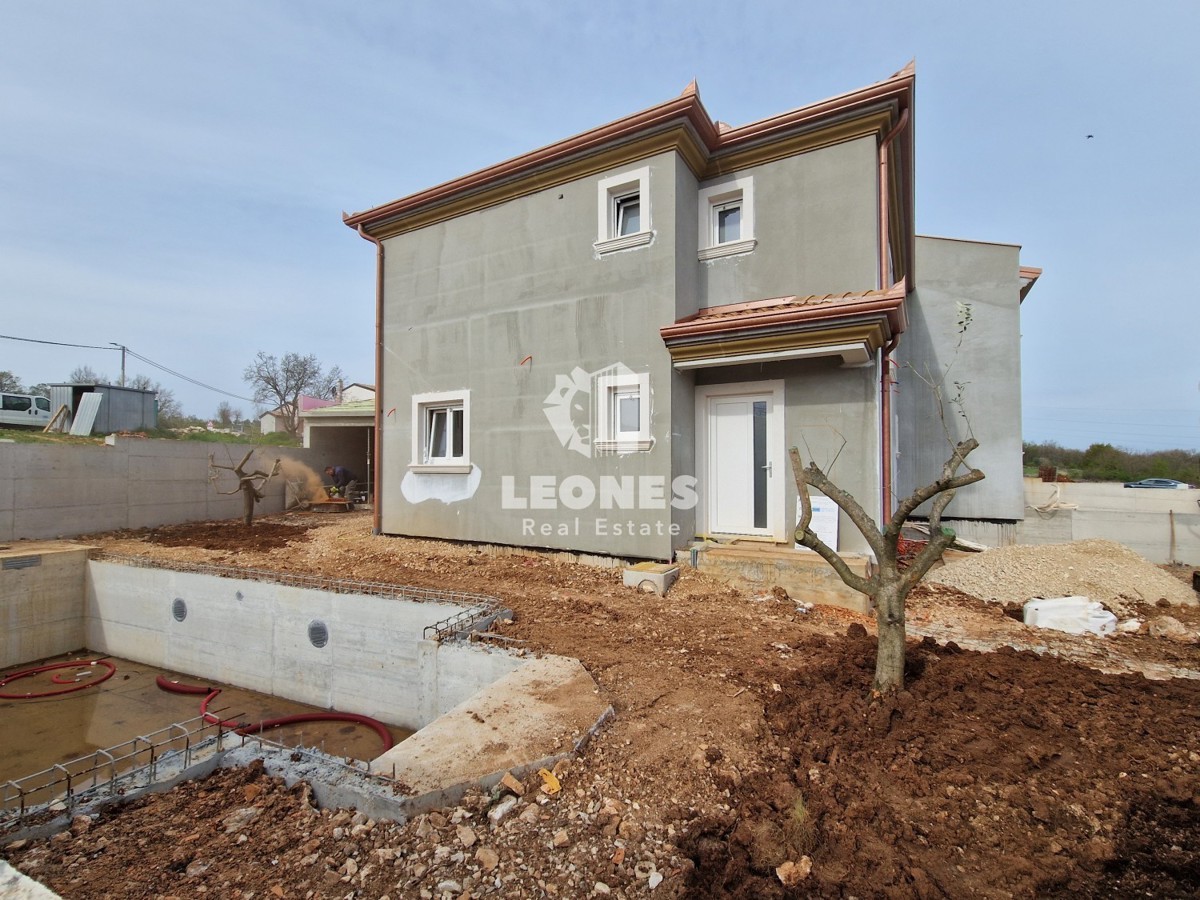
1100 570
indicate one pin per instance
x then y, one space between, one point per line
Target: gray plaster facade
983 356
503 302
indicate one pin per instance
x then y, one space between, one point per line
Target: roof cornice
681 124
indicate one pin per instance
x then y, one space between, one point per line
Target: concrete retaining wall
53 491
1161 525
255 635
40 602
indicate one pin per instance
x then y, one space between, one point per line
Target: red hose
266 724
73 686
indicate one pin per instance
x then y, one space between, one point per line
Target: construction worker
343 481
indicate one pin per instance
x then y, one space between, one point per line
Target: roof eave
685 111
686 108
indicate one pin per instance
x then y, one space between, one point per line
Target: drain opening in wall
318 633
179 609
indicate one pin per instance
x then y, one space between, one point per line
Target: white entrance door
743 474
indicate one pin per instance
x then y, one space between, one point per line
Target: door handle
771 470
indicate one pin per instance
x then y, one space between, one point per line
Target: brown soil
746 749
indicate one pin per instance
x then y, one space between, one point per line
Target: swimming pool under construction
186 668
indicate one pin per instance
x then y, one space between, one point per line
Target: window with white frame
623 211
726 224
441 431
623 412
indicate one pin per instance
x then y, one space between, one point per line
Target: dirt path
744 741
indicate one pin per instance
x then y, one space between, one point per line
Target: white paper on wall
824 520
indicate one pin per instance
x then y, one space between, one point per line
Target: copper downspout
885 378
376 516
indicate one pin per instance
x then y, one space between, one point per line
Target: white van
24 409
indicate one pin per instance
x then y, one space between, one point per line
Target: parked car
1158 483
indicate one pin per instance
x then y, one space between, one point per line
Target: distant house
276 419
355 392
609 344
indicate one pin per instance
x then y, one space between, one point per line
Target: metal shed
121 408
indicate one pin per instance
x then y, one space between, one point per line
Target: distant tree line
1104 462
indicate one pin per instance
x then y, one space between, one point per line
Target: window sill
733 248
623 446
440 469
625 242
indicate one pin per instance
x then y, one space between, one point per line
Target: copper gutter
376 512
885 377
890 302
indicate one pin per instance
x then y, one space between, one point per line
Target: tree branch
947 482
852 580
805 537
847 504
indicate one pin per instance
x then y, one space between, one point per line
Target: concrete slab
541 710
760 567
15 885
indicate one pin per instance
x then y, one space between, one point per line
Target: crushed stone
1101 570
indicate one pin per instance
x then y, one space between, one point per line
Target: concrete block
537 711
651 577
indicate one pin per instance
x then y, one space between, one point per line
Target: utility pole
122 348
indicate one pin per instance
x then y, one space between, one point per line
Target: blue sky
172 175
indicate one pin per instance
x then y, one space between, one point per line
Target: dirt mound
744 739
1000 774
231 536
1101 570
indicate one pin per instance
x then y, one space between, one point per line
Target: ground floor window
441 431
623 416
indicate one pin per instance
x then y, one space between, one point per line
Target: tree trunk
889 659
248 505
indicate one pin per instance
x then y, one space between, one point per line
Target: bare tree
227 415
278 383
890 585
169 409
249 483
86 375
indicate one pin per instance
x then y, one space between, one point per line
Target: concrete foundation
482 709
374 659
759 567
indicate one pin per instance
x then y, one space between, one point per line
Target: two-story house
609 344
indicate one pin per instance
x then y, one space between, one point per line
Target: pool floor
36 734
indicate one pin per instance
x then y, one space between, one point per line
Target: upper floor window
441 431
727 218
623 211
628 214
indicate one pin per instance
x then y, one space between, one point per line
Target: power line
147 361
10 337
186 378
